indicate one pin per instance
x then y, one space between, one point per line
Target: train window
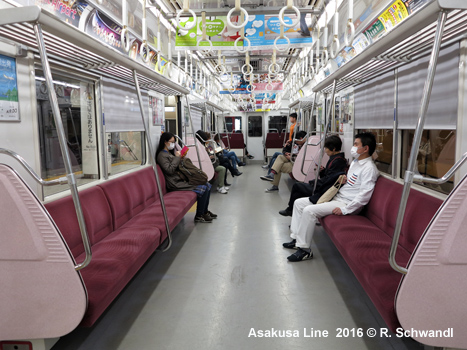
277 122
435 157
125 151
77 109
233 123
255 126
384 142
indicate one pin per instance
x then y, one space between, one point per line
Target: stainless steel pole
193 131
152 156
63 146
409 174
308 132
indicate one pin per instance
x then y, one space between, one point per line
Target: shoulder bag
332 191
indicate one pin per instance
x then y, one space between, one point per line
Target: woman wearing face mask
169 159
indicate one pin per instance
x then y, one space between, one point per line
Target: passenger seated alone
353 195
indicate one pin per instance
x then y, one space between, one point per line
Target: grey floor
224 281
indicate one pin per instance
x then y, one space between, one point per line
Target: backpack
190 173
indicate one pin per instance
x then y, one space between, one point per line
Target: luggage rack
410 40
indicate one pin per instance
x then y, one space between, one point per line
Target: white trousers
304 217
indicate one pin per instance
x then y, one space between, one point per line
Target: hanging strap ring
221 67
348 40
246 66
251 88
141 52
281 17
269 87
207 41
247 75
187 26
231 89
286 47
224 77
324 57
334 49
125 39
274 68
238 48
245 14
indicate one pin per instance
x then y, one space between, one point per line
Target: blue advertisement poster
9 106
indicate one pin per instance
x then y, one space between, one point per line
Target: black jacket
336 166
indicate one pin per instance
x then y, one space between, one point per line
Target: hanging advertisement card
394 15
9 106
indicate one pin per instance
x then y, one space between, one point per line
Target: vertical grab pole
63 146
308 132
409 173
295 132
328 118
193 131
286 128
152 156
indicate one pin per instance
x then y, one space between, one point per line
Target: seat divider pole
63 145
152 157
308 132
409 173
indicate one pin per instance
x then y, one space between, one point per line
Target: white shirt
357 191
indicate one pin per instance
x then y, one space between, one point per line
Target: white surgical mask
171 146
353 152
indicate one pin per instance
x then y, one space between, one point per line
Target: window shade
121 107
374 103
442 110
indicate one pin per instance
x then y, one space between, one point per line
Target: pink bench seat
365 240
125 226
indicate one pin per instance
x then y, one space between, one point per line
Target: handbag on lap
332 191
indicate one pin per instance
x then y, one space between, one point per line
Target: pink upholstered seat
365 240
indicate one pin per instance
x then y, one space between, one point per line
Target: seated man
283 162
353 195
336 165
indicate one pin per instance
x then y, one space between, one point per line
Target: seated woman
168 160
229 154
336 165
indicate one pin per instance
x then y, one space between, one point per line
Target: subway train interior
347 113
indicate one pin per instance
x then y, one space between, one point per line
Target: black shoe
241 164
286 212
212 215
205 218
236 173
300 255
226 184
250 156
290 245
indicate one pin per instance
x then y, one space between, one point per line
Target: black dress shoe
290 245
241 164
236 173
226 184
285 212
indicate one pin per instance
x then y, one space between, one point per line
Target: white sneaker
226 188
221 190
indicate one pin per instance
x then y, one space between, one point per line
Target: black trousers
300 190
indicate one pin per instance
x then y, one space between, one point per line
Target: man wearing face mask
351 198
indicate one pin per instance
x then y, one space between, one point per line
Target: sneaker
203 218
221 190
286 212
290 245
212 215
272 189
266 178
265 166
300 255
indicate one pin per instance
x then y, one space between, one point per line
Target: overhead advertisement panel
260 30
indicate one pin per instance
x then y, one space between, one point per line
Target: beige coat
169 165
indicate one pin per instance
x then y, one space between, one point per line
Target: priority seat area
125 225
364 241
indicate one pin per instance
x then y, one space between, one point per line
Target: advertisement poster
260 85
9 106
414 5
394 15
261 30
156 109
67 11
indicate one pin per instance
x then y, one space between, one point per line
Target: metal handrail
152 156
324 133
308 133
446 177
63 146
193 132
409 173
60 181
294 134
